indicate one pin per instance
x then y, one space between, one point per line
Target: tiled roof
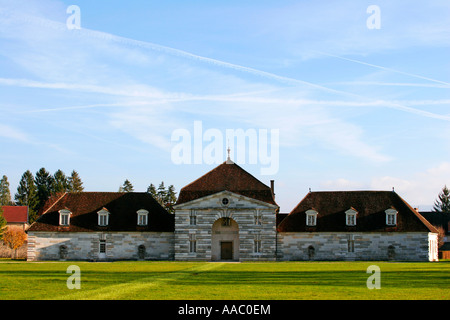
370 205
230 177
15 214
122 206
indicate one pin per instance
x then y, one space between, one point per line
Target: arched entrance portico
225 240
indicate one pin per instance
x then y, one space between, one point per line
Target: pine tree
44 185
152 190
27 195
166 198
60 182
2 223
5 194
161 193
126 187
75 183
171 198
442 204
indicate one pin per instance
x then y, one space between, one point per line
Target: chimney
272 187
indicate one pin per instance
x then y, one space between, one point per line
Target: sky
353 95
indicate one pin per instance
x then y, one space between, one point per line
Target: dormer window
311 218
142 217
64 217
103 217
350 217
391 217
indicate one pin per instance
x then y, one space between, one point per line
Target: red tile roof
15 214
370 205
230 177
122 206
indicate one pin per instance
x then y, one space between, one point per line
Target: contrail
385 68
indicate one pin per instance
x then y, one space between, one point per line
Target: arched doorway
225 240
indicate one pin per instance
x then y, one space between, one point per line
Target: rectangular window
257 243
391 219
102 246
142 219
103 220
192 218
351 243
351 219
64 220
258 220
192 243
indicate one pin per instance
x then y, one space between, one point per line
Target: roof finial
229 158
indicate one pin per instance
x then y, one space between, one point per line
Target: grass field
224 281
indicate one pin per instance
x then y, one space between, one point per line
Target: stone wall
254 220
85 246
410 246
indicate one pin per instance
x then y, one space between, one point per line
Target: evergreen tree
126 187
161 193
442 204
171 198
27 195
2 223
60 182
44 185
75 183
166 198
152 190
5 194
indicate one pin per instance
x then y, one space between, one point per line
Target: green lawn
224 281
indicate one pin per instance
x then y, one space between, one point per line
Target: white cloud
419 189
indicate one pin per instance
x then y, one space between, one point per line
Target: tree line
166 197
34 190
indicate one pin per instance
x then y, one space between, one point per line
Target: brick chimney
272 187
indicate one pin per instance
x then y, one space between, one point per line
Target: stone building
229 215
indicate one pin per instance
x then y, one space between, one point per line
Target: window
258 218
350 217
103 217
192 218
311 218
257 243
391 217
142 218
226 222
192 243
64 217
102 248
225 201
351 243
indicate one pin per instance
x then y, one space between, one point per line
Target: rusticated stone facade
202 226
303 246
86 246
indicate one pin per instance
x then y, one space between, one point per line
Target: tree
2 223
166 198
27 195
171 198
126 187
442 204
75 183
44 185
5 194
14 238
152 190
60 182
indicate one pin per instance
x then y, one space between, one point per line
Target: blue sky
356 108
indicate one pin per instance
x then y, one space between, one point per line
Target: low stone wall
412 246
86 246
